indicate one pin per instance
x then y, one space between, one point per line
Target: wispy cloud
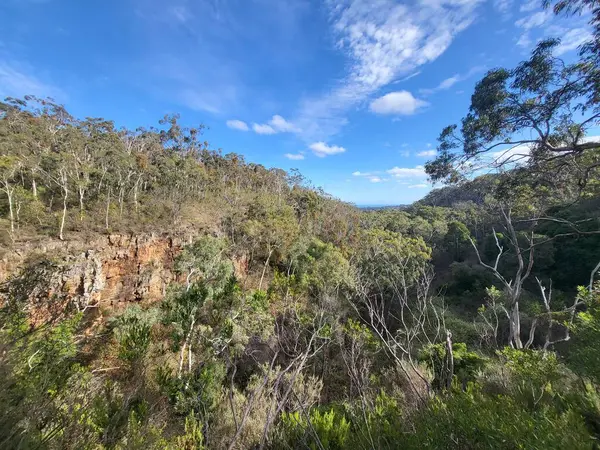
407 172
524 41
181 14
530 5
294 156
238 125
427 153
321 149
534 20
195 53
503 5
383 40
451 81
401 103
18 79
418 186
373 177
572 39
406 78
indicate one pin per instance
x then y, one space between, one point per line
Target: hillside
156 293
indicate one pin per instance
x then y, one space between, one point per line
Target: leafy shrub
323 429
466 363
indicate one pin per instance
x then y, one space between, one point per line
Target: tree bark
11 214
81 194
264 270
449 360
107 209
64 212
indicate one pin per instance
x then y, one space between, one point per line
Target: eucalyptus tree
542 110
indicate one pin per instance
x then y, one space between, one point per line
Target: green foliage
474 420
323 269
323 429
535 375
583 356
197 392
192 439
288 358
466 363
205 259
457 240
36 369
133 332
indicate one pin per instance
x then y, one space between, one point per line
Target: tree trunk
34 186
11 214
449 360
186 344
107 209
135 195
64 213
81 194
121 195
515 326
264 270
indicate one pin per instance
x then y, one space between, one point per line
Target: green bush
326 429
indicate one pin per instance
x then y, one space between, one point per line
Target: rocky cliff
106 273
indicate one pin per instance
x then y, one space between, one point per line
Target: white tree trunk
264 270
515 326
107 209
11 214
81 194
64 212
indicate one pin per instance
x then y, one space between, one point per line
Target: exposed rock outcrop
106 273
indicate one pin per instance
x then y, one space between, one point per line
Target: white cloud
406 172
360 174
418 186
451 81
321 149
294 156
383 40
405 153
524 41
502 5
534 20
408 77
18 79
283 126
530 5
263 129
401 103
277 124
375 180
572 40
237 125
427 153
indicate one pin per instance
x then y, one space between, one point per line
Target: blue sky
353 93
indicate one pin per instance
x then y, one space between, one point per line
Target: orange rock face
105 274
